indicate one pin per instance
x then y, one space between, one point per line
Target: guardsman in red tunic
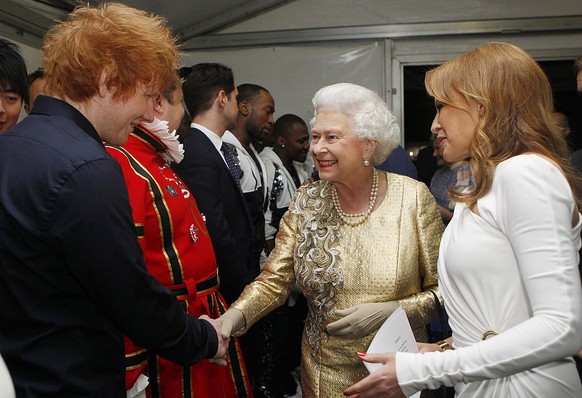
179 253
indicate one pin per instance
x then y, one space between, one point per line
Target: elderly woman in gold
359 242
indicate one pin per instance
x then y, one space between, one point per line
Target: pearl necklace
357 218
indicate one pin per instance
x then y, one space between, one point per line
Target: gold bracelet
444 345
489 333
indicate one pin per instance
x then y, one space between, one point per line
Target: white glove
361 320
233 323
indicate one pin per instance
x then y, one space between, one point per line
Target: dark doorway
566 100
419 107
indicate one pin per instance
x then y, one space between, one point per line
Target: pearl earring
282 145
366 162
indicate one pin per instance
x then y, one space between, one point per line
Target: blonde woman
508 263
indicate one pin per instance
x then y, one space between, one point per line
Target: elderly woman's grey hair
370 116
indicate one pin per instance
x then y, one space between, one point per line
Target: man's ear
159 105
221 99
244 108
102 87
280 141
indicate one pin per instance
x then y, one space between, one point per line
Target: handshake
355 322
232 322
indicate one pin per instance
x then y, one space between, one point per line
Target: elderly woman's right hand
233 322
361 320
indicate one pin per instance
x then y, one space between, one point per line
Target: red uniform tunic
178 252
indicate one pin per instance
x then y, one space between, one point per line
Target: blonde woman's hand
381 383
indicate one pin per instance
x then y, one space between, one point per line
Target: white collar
174 151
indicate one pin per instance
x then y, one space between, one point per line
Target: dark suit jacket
400 163
223 206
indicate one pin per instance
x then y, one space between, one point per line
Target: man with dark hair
13 84
254 120
210 171
284 176
36 83
72 275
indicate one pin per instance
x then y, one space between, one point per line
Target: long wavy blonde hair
517 103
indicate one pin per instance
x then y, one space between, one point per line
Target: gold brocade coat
390 256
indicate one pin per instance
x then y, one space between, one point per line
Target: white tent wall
320 42
299 46
293 73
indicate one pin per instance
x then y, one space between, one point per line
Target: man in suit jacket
210 96
400 163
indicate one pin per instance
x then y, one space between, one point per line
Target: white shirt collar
212 136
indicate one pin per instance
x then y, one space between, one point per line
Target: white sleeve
6 386
301 172
534 207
